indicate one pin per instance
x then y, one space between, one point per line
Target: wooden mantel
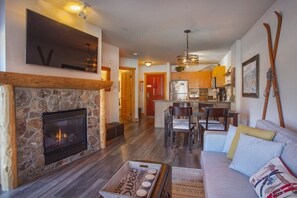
8 147
41 81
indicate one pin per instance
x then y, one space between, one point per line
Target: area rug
187 182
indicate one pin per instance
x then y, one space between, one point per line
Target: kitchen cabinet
196 79
219 73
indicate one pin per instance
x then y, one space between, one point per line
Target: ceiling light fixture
148 63
75 7
187 59
83 13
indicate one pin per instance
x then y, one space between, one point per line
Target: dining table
196 115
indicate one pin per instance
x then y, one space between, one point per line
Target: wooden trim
127 68
102 120
8 146
41 81
108 70
144 93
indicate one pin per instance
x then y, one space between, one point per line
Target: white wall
2 35
153 69
133 63
226 61
236 62
111 59
255 42
16 37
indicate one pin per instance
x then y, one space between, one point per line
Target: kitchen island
162 105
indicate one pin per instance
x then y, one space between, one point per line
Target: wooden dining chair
181 104
202 119
202 106
214 113
181 122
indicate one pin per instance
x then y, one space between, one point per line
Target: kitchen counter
162 105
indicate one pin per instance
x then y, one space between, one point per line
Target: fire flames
60 135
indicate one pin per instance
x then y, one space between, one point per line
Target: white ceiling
155 28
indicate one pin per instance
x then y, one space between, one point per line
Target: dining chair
215 113
181 122
202 119
202 106
181 104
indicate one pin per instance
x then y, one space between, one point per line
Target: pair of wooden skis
271 74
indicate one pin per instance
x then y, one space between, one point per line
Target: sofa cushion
221 181
230 135
283 135
274 180
289 157
253 153
259 133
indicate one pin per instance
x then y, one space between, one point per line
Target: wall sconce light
148 63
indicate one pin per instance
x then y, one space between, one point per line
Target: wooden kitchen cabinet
219 73
196 79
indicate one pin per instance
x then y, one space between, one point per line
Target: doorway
155 86
127 93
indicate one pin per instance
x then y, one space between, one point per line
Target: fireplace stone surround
8 82
30 103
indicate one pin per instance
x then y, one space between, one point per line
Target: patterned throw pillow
274 181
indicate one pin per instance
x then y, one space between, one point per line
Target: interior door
126 94
154 91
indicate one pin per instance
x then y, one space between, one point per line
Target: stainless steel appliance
179 90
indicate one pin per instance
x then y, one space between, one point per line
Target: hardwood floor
86 176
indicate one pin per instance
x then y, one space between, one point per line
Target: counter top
193 100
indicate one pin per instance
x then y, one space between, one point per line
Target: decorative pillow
259 133
253 153
274 181
230 135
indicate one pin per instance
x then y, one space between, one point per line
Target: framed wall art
250 77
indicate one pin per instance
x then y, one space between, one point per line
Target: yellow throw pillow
259 133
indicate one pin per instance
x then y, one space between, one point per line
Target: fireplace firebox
64 134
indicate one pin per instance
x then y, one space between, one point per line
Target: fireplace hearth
64 134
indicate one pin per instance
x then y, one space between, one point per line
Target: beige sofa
222 182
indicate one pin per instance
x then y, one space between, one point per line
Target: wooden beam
41 81
102 120
8 147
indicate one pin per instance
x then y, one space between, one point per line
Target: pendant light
187 59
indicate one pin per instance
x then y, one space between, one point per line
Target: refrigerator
179 90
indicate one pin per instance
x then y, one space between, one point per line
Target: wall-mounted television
53 44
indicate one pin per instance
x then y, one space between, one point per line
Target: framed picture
250 77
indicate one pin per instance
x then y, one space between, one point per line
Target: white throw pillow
253 153
230 135
274 180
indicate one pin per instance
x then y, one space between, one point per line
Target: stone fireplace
64 134
40 114
24 99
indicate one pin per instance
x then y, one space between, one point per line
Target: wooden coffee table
163 185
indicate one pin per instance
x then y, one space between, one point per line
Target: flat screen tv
53 44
